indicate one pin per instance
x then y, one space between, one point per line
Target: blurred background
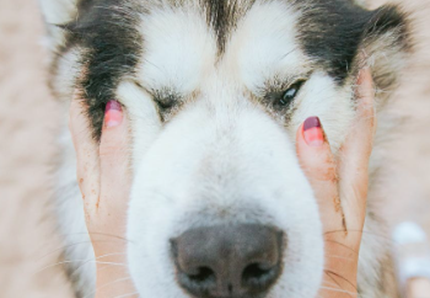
29 246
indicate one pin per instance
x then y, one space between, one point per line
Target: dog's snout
228 261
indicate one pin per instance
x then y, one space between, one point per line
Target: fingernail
313 132
113 114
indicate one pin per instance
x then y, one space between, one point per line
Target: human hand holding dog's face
105 180
339 185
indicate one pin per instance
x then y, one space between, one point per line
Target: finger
114 162
355 154
319 166
86 151
318 163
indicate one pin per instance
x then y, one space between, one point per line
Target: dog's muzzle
228 261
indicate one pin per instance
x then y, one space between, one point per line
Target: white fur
264 46
223 155
173 59
57 12
222 158
69 206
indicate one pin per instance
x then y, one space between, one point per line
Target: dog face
215 92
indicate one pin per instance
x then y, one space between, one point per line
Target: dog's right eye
166 103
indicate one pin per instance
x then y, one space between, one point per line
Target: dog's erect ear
361 3
57 13
344 37
386 42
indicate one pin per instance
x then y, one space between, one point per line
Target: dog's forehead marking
182 49
223 16
179 50
265 46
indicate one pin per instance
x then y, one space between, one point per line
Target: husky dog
215 91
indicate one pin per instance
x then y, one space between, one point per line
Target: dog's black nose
228 261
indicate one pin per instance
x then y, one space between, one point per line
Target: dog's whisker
84 261
329 283
58 264
339 257
107 285
110 263
127 295
63 247
88 242
352 294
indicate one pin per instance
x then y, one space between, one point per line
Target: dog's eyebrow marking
223 17
112 51
179 51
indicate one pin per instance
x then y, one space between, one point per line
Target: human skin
104 178
418 288
340 186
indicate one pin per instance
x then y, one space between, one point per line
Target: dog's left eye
290 94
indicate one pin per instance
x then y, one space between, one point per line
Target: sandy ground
28 122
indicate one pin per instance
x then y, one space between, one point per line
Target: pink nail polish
113 114
313 132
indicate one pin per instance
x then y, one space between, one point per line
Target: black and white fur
201 82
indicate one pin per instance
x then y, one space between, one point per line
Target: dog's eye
290 94
166 103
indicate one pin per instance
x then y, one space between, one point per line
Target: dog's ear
57 13
361 3
344 37
385 44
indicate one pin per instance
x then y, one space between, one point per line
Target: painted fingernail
313 132
113 114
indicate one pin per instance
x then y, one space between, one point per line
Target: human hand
340 186
104 179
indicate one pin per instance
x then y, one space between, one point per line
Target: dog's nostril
202 274
197 281
253 272
259 275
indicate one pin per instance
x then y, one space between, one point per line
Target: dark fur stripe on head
108 30
330 32
333 31
223 15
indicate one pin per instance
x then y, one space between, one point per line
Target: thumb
114 157
318 163
314 151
